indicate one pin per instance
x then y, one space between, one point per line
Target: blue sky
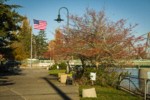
135 11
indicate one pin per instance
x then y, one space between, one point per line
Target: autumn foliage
95 39
98 42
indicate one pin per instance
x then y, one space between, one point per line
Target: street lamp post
59 17
59 20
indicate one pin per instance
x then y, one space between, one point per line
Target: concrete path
35 84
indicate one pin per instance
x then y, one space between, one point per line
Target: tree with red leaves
94 38
55 48
99 42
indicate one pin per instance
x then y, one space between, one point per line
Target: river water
134 72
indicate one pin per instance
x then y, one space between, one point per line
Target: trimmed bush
54 67
62 66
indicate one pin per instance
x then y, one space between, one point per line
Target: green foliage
24 38
85 78
9 19
55 72
19 51
40 44
9 22
54 67
105 77
62 66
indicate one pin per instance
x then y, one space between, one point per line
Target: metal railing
135 85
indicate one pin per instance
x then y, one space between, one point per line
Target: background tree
55 47
22 46
9 22
49 54
40 44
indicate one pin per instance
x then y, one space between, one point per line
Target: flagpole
31 53
40 25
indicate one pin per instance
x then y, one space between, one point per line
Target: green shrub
84 78
54 67
105 77
62 65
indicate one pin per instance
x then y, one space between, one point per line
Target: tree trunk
83 64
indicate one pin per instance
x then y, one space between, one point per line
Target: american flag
39 24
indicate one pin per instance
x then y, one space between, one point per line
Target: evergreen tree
23 45
40 44
9 22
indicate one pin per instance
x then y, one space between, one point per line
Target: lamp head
59 19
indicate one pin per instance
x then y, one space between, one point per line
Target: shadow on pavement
4 80
61 93
10 72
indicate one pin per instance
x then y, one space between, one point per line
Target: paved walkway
35 84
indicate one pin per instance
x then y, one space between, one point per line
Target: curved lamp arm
59 17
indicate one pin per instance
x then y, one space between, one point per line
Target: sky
134 11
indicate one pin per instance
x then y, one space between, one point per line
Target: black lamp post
59 17
59 20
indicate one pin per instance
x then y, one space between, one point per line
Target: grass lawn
55 72
105 93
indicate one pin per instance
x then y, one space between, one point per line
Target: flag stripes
39 24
